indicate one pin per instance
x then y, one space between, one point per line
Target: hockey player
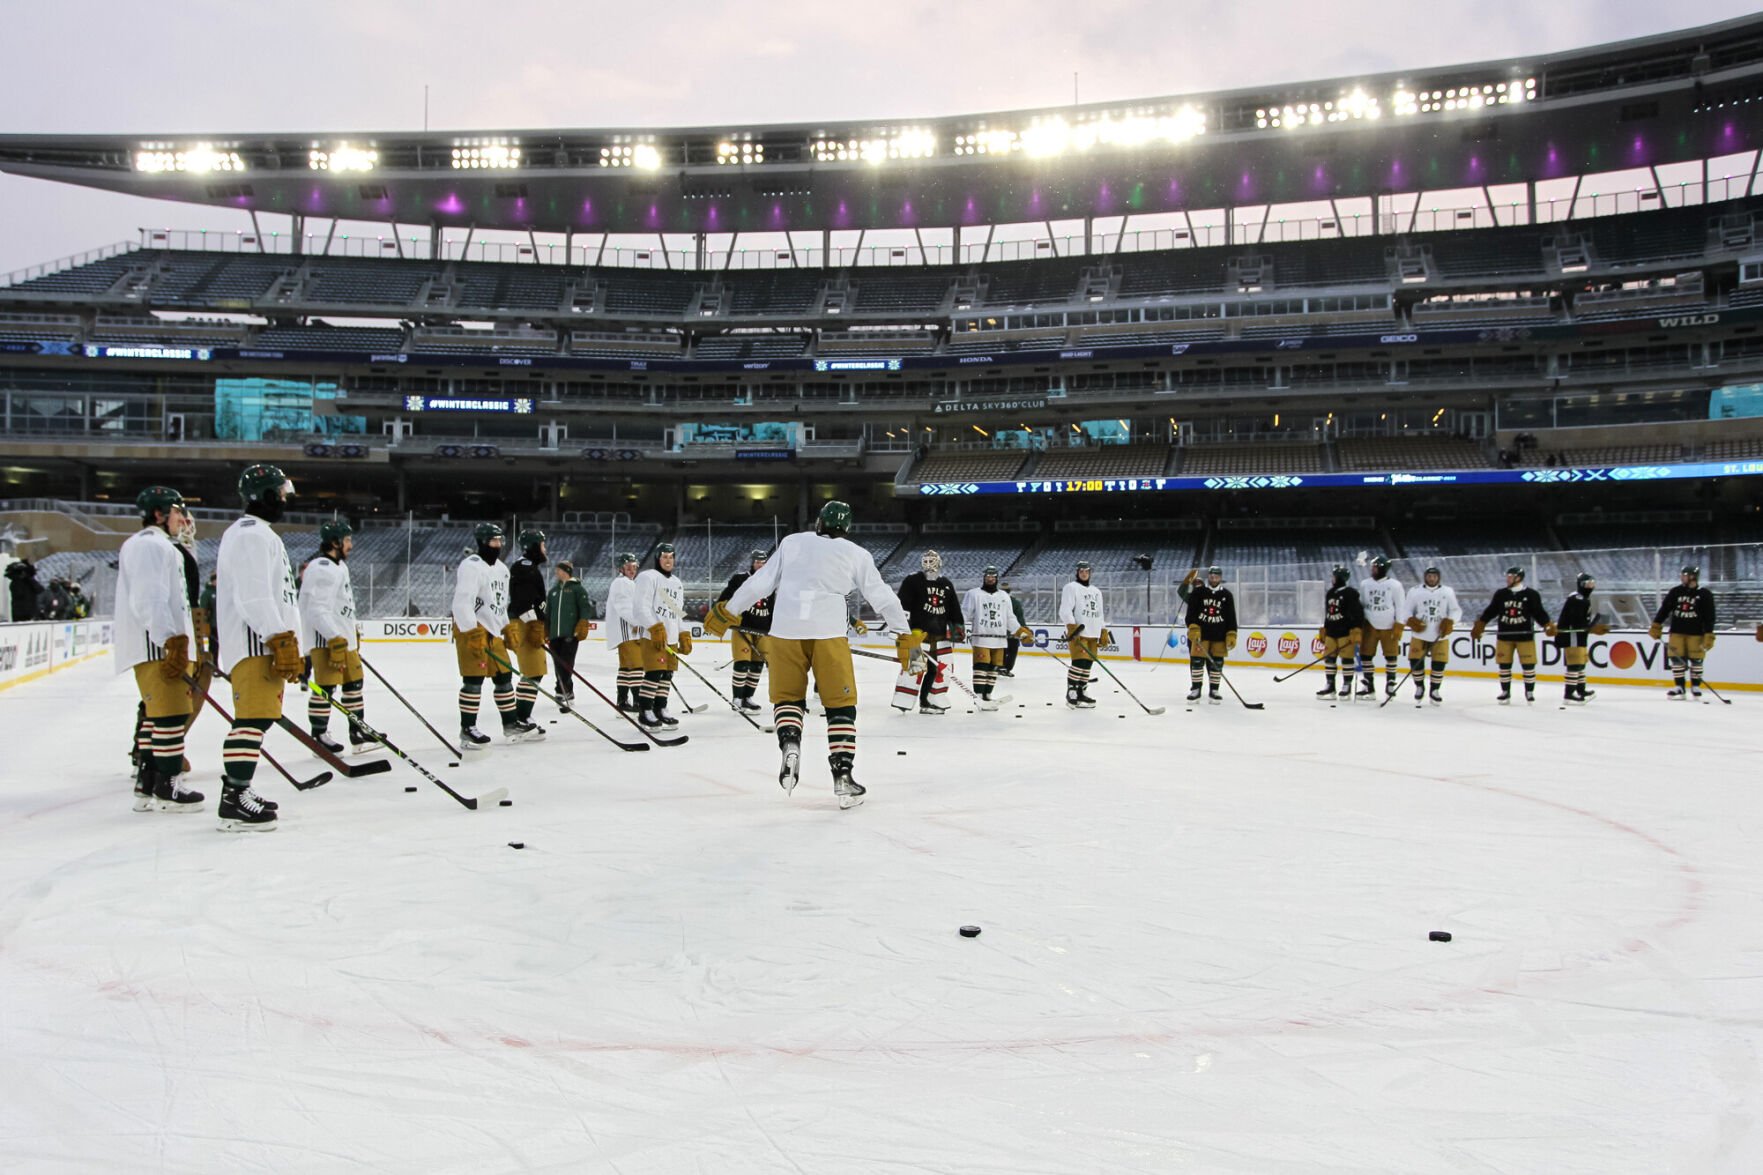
1686 619
526 614
1343 618
1382 596
810 574
1212 632
748 647
481 630
991 624
1516 610
154 638
622 634
1433 613
330 635
257 622
566 626
934 611
1574 628
658 603
1080 610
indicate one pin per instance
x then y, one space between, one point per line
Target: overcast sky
140 66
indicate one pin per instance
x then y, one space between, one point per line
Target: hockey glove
1550 630
1356 635
958 634
1476 629
1416 624
534 635
1107 637
906 648
1025 633
1188 579
477 643
1600 630
1655 630
1707 643
658 633
1193 636
1072 630
685 643
719 619
580 631
1447 626
285 659
175 661
337 649
858 627
511 635
1230 640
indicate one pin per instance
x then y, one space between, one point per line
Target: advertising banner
28 651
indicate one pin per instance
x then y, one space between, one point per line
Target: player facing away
658 603
1343 618
623 636
1516 611
1080 610
1433 613
1212 632
1574 628
1383 598
526 619
330 635
934 611
154 633
991 622
566 627
1686 619
480 641
748 647
257 622
809 575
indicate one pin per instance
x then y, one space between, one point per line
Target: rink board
38 648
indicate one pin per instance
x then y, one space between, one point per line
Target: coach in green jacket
566 620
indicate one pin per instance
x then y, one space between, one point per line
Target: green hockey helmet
1515 572
1213 570
991 571
1380 566
157 498
531 537
1691 571
624 559
334 531
258 480
483 532
758 555
1432 576
834 518
1341 575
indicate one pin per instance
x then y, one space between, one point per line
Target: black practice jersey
1214 609
1687 611
1577 617
526 589
1341 611
758 615
1516 613
931 605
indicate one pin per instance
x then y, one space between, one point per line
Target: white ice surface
1204 949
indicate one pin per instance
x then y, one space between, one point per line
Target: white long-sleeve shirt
811 574
621 625
152 605
990 619
1384 601
1431 605
480 596
659 598
254 596
1081 603
327 604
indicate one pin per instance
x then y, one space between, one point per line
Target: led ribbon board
1289 481
521 406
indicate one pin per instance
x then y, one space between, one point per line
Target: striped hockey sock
470 693
166 739
318 713
504 691
787 717
240 752
526 694
841 731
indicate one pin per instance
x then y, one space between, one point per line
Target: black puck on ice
899 752
453 764
410 789
505 803
970 932
517 844
1440 936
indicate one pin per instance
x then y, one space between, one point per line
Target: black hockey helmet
153 498
1585 583
1380 567
1691 571
834 519
1341 575
758 555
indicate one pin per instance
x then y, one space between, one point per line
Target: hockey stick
1724 700
1239 697
345 769
855 651
1300 669
360 724
319 780
647 733
720 694
1390 695
381 678
683 700
1147 709
617 742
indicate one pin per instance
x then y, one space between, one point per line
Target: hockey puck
408 789
505 803
453 764
970 932
517 844
1440 936
899 752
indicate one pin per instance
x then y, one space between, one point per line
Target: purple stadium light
452 205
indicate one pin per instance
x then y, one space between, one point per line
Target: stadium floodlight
1505 92
743 152
342 157
195 158
499 154
643 156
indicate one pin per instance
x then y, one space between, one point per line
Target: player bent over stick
810 574
1432 615
991 626
331 638
1080 610
154 632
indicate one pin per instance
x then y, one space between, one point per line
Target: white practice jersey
480 596
621 624
990 619
1432 605
152 605
1384 601
254 597
811 574
660 599
327 605
1081 603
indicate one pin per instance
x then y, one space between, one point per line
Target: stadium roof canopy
1691 95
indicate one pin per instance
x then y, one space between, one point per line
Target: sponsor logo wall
35 649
